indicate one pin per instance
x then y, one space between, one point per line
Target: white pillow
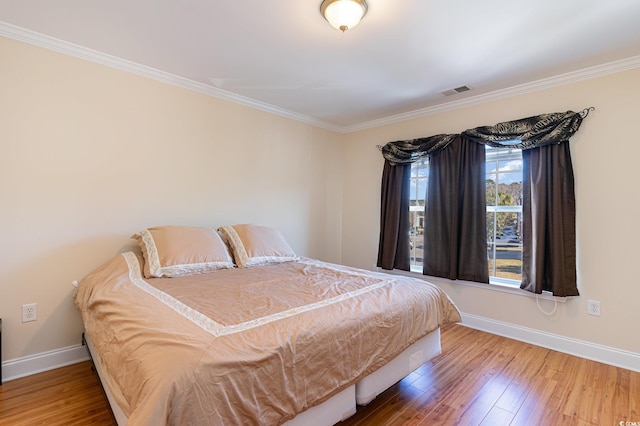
256 245
171 251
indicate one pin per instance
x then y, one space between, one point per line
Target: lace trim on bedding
192 268
344 269
135 275
217 329
265 260
239 253
152 252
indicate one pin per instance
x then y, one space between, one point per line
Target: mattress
407 361
259 345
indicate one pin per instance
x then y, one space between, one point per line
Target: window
455 245
419 179
503 215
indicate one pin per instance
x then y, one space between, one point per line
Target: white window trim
494 285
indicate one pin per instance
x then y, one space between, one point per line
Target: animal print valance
526 133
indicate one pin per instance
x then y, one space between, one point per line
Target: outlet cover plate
593 307
29 312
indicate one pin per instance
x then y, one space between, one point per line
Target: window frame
497 156
415 208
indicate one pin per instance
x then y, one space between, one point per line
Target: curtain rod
586 111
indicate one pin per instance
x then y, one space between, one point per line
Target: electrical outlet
29 312
593 307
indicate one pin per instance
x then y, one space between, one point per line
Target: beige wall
605 153
91 155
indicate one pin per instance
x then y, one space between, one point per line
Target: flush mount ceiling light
343 14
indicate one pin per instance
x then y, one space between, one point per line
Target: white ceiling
282 54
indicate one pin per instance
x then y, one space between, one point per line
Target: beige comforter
248 346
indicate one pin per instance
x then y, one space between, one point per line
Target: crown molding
71 49
51 43
559 80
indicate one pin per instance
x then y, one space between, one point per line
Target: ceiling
284 57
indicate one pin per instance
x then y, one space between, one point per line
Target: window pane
491 220
511 164
508 262
419 179
416 239
422 168
510 194
491 190
508 227
422 190
504 213
491 257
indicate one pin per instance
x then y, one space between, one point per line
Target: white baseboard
580 348
32 364
26 366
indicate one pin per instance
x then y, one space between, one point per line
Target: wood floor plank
615 403
529 362
534 410
497 417
479 379
634 398
66 396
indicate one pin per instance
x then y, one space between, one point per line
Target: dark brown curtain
455 239
393 249
549 229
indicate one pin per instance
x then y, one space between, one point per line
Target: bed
199 329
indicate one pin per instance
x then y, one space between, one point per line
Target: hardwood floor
480 379
66 396
483 379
